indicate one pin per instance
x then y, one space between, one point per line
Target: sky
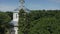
10 5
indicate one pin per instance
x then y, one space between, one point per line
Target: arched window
16 16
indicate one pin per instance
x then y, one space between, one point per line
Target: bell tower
15 16
14 22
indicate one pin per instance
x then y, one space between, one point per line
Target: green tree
23 22
45 22
4 22
39 22
48 25
10 14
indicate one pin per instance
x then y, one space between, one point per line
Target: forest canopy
35 22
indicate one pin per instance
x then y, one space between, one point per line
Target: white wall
15 17
16 30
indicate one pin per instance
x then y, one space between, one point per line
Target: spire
22 3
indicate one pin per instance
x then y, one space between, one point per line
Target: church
14 22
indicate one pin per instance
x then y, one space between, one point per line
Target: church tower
14 22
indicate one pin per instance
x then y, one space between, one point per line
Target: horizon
10 5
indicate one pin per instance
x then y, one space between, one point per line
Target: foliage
23 22
45 22
48 25
4 25
36 22
10 14
39 22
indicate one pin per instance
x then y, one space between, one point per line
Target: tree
48 25
24 22
10 14
40 22
4 22
45 22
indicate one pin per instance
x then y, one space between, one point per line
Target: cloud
7 8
